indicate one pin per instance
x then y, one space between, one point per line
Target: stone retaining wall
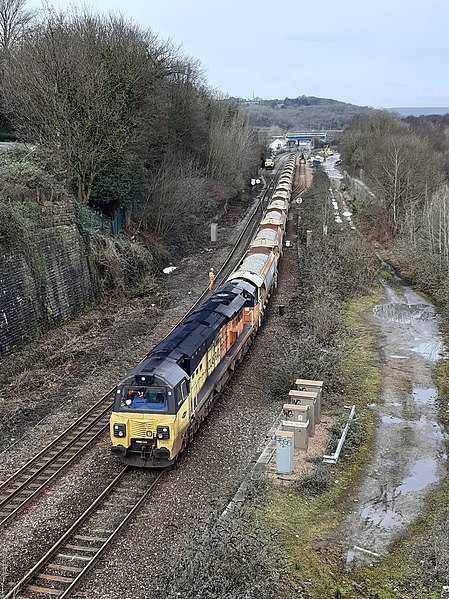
46 278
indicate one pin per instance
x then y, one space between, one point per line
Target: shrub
315 482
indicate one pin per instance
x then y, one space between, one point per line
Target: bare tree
79 85
234 150
14 19
177 207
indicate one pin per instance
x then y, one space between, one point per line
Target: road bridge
305 136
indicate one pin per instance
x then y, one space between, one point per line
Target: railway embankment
375 524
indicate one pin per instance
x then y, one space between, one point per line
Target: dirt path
408 455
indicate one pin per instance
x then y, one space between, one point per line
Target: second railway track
61 569
28 482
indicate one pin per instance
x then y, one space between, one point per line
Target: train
269 163
161 403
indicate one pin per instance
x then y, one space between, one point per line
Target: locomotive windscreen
151 399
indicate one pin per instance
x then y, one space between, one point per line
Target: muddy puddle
408 457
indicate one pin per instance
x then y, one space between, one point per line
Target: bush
316 482
232 560
17 220
124 268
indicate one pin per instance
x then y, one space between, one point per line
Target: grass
308 523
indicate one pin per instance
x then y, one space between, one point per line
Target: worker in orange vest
211 278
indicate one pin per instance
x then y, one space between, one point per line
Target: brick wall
46 279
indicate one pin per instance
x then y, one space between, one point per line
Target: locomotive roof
163 369
194 333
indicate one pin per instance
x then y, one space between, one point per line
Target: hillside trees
303 113
233 147
121 112
77 86
405 164
399 166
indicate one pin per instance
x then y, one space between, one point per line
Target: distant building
279 143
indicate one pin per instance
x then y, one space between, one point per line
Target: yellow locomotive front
150 416
162 402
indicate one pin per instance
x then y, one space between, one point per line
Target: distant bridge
309 136
306 136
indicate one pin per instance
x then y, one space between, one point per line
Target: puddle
430 350
422 396
409 452
387 518
388 419
384 511
423 474
403 313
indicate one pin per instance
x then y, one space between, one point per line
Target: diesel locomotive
161 403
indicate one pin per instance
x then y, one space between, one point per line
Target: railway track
28 482
59 572
62 568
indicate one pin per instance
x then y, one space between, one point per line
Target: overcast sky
380 53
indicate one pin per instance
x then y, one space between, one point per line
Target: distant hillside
303 112
420 111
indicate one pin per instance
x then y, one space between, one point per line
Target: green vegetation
120 123
17 221
309 516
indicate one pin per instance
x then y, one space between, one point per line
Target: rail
32 479
85 541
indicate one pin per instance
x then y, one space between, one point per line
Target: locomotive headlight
119 430
163 432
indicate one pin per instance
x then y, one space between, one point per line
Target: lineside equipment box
313 386
285 447
305 398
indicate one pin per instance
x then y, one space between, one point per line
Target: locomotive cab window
143 399
181 393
